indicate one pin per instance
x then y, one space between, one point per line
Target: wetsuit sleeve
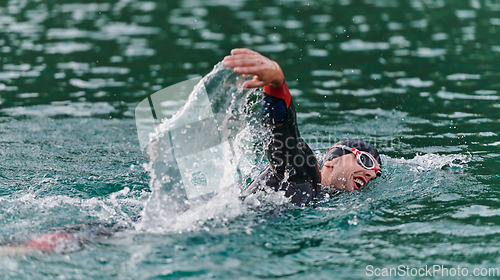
288 154
281 92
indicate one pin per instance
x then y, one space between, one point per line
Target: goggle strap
357 152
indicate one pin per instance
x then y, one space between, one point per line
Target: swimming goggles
363 158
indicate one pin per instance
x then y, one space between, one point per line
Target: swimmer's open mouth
359 182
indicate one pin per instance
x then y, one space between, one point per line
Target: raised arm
293 166
264 71
286 149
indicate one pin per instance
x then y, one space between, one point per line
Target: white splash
429 162
173 206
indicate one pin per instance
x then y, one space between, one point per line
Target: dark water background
419 79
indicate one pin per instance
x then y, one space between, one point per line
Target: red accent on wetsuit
280 92
49 242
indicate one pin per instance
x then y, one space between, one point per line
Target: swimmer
66 239
348 165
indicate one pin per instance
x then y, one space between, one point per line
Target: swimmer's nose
370 174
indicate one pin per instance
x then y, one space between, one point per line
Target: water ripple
418 80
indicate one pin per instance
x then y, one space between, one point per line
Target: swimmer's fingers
252 70
243 51
248 62
268 74
245 58
254 83
242 61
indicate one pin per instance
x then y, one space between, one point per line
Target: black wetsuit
293 166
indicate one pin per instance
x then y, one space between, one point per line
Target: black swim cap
360 145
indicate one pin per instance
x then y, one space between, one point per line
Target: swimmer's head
356 144
349 165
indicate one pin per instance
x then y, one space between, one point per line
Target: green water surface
417 78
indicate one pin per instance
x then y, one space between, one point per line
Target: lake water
418 79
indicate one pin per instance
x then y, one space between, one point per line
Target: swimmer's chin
332 189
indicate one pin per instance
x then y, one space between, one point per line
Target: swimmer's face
344 173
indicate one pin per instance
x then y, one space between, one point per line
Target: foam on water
41 209
434 161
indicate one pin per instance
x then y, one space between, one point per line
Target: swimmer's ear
330 163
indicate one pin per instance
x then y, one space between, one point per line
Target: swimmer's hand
248 62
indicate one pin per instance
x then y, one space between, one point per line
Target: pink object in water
53 242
